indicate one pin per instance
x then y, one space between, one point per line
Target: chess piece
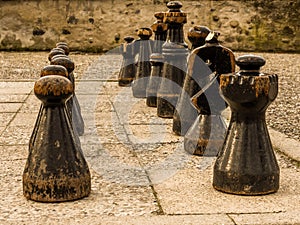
175 53
64 46
156 59
197 35
140 83
246 164
206 64
73 106
55 169
127 71
184 107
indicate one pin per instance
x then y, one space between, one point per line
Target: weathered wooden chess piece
64 46
46 71
73 106
206 64
185 113
175 52
246 164
143 70
55 169
160 30
55 51
127 71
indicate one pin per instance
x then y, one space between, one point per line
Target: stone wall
97 26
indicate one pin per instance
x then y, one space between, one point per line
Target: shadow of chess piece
206 64
175 52
156 59
184 107
55 169
246 164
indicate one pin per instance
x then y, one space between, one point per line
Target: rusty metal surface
246 164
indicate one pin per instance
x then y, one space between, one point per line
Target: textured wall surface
97 26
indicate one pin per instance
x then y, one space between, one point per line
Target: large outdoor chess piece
55 170
55 51
185 113
197 35
64 46
206 63
175 52
246 164
127 71
143 70
160 30
46 71
73 106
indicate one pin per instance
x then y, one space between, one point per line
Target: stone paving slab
140 172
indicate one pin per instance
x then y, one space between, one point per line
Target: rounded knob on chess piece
54 70
64 46
53 89
55 51
63 61
250 64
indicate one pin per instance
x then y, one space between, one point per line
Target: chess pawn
127 71
55 169
55 51
207 133
175 53
185 113
140 83
64 46
156 59
246 164
46 71
73 106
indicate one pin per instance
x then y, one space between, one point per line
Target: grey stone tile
9 87
190 191
288 217
5 118
14 152
10 107
16 135
10 98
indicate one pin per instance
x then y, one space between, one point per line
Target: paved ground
140 172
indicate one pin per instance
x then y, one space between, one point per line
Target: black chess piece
175 52
55 169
